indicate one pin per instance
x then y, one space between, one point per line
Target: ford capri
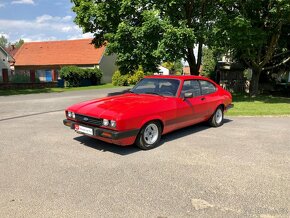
156 106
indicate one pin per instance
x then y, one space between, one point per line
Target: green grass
50 90
260 106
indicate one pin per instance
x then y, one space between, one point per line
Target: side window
191 86
207 87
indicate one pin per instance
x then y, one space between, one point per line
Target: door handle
203 98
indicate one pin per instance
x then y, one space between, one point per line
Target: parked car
157 105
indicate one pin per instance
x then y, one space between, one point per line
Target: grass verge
260 106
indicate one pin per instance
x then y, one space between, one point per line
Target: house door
5 75
48 76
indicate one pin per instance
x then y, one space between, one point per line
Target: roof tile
69 52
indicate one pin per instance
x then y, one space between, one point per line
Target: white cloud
45 27
5 35
2 5
81 36
28 2
47 18
38 38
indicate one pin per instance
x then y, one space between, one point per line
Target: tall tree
147 32
19 43
252 30
3 41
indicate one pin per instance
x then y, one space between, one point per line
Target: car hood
116 106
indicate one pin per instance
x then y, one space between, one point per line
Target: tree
19 43
253 32
208 62
3 41
148 32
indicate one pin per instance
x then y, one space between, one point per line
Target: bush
120 80
128 79
20 78
136 77
75 76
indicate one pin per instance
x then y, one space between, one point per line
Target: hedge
76 76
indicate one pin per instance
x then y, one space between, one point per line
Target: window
191 86
165 87
207 87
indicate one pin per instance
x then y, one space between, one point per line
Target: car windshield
157 86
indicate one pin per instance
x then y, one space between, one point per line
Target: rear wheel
149 135
217 118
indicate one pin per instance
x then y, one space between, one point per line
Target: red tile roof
69 52
12 50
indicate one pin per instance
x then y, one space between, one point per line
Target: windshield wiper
153 93
130 91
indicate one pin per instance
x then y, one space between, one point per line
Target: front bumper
106 134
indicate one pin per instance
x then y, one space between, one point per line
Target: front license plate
82 129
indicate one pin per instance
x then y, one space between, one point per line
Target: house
186 70
163 70
5 60
43 60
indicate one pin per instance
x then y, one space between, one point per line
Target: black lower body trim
105 133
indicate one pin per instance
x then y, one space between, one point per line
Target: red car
155 106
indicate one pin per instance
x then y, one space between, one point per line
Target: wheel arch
153 119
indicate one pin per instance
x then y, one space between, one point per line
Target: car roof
182 77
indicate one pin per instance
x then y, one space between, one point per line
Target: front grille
89 120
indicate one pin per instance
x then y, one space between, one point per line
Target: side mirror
188 95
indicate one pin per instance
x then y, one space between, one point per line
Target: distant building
5 61
43 60
186 70
163 70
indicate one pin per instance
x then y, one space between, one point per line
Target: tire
149 135
217 118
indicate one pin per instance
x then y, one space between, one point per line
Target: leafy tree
208 62
3 41
253 31
19 43
147 32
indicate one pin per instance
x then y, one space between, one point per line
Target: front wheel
217 118
149 135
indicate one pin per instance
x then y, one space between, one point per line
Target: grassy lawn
50 90
260 106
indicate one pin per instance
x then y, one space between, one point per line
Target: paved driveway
239 170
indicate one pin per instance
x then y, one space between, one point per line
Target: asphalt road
241 169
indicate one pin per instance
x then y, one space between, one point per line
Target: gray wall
4 64
108 67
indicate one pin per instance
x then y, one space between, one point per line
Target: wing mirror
188 95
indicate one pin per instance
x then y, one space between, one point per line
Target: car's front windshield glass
157 86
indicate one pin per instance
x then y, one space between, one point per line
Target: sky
38 20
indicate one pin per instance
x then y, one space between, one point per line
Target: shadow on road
107 147
187 131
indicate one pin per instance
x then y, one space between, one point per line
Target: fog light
113 123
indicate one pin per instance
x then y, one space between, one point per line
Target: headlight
71 114
105 122
113 123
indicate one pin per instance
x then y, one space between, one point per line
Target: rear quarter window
207 87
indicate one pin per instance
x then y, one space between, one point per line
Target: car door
193 109
209 96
